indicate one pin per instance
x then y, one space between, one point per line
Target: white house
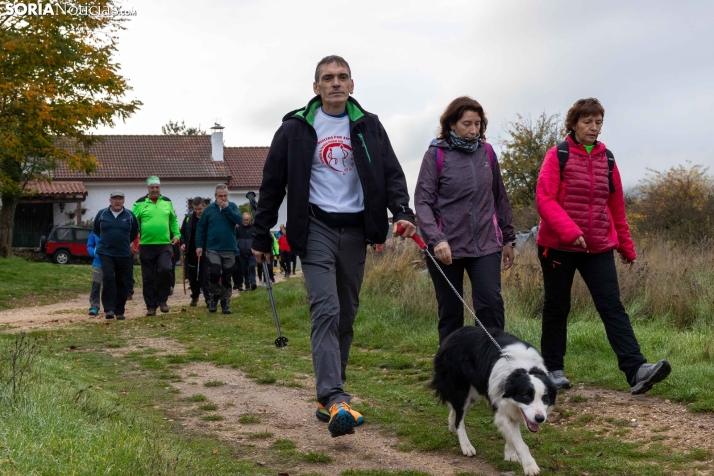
188 166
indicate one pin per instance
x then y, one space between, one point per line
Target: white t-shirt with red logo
334 183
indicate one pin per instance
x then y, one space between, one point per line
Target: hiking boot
109 315
212 306
194 302
129 298
648 375
150 311
120 317
558 379
164 307
225 306
323 415
343 420
93 311
253 287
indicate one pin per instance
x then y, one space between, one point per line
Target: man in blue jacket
97 275
117 228
215 233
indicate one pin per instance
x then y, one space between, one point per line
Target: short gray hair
221 186
197 201
331 59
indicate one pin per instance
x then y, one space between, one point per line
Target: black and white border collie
514 380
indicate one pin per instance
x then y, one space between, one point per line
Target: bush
523 153
670 282
677 204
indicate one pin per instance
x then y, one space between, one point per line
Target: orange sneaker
342 419
323 414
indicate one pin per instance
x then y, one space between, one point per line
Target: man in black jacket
244 235
197 275
341 176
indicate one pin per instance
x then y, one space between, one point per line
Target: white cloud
249 62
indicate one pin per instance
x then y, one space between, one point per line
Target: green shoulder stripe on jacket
309 111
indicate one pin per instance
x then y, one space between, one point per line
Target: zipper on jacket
365 147
592 194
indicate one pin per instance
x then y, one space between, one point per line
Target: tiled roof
136 157
245 165
55 188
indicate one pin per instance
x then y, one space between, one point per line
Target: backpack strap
610 166
495 186
439 157
439 164
489 151
563 154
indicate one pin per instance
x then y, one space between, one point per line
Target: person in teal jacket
215 233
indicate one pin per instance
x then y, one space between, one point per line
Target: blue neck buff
465 144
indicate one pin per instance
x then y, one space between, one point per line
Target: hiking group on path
334 161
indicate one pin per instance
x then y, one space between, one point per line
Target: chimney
217 142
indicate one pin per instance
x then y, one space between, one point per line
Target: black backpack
564 153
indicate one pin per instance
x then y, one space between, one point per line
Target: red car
65 243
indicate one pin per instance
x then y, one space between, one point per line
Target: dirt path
288 414
643 419
73 311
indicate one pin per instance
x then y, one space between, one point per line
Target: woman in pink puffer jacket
582 209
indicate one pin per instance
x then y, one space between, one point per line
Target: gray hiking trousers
220 272
333 267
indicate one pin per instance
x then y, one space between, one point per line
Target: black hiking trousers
485 276
600 275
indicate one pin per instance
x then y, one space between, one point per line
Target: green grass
208 407
196 398
62 422
390 368
248 419
26 283
214 383
213 417
316 457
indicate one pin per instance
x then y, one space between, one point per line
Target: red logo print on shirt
337 155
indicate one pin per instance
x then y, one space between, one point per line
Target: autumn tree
523 153
174 128
678 203
58 81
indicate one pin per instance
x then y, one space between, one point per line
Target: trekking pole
281 341
417 239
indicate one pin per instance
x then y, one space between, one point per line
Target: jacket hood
354 111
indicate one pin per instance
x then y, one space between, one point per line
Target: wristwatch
512 244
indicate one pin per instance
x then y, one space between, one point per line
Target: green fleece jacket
157 221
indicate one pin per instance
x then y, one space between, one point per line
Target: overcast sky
248 63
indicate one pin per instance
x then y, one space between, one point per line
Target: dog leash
417 239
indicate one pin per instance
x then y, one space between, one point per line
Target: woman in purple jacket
465 217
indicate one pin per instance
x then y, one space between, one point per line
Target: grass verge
26 283
390 367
